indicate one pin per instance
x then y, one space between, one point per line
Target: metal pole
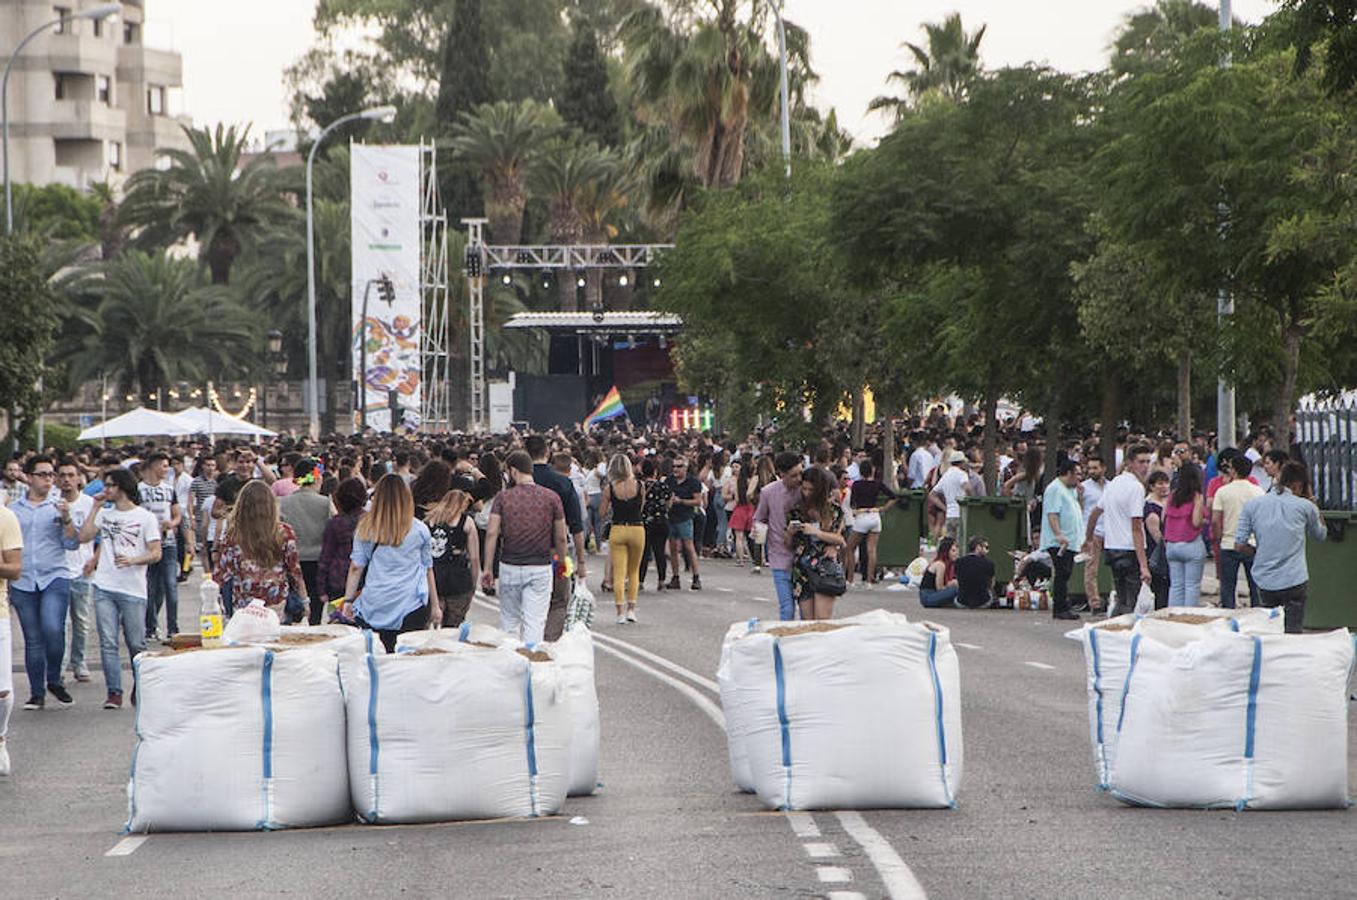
1226 435
363 362
4 113
786 108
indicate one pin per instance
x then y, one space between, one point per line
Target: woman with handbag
258 557
815 536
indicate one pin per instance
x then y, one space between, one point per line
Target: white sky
235 53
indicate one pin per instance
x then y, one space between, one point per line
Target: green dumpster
1000 520
1332 598
901 527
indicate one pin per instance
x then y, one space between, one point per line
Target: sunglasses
46 473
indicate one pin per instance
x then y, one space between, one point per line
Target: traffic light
386 291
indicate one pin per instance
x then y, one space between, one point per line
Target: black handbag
1159 561
826 577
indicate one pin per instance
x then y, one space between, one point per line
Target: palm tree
209 193
950 60
157 322
1150 34
502 140
565 175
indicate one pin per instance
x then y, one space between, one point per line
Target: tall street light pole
1225 394
786 101
381 114
98 14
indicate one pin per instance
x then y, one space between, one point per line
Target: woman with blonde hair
456 554
393 557
258 555
623 497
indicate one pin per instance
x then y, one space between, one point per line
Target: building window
61 85
98 28
104 85
115 156
130 33
62 13
155 101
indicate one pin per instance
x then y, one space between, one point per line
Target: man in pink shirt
775 501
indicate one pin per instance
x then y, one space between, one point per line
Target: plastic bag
253 624
760 533
581 606
1145 601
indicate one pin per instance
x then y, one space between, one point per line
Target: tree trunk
1185 394
1286 394
859 418
1054 419
991 434
888 451
1107 444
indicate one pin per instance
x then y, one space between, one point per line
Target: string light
214 399
507 279
622 282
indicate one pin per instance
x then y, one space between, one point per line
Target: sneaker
674 584
113 701
756 570
1068 614
659 585
63 696
35 703
82 675
631 615
4 757
621 620
697 583
1079 607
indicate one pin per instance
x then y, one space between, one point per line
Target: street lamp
381 114
1226 422
98 14
782 70
277 364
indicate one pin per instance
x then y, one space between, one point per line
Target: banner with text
384 199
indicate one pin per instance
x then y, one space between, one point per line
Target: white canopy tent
137 423
205 421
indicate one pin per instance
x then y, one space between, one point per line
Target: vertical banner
385 238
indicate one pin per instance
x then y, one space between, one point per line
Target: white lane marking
687 690
833 874
1037 665
968 646
846 895
726 590
762 599
821 850
895 875
128 845
803 824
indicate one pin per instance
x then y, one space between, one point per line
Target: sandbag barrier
862 712
228 738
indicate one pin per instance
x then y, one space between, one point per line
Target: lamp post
381 114
782 71
277 365
1225 395
98 14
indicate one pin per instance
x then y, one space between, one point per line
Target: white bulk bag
861 716
238 738
438 734
735 711
1236 721
1107 657
574 653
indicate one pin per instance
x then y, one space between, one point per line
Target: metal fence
1327 434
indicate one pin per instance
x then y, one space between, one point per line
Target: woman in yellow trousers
623 497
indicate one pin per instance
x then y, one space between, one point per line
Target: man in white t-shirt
11 564
951 487
159 497
1122 512
129 541
1090 492
921 461
184 535
79 566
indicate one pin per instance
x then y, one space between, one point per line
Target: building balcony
82 120
80 52
138 64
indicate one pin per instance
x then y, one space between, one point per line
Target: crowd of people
399 533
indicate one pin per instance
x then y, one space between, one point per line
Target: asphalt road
668 823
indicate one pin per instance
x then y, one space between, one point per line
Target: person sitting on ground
939 585
975 575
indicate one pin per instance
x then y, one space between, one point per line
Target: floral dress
251 581
808 552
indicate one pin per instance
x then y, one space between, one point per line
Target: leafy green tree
945 66
28 308
501 141
158 322
56 212
975 211
1152 36
1330 26
463 85
586 100
209 193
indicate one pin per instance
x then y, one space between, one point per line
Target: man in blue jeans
1226 506
41 595
159 498
775 501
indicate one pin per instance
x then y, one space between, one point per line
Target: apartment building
88 101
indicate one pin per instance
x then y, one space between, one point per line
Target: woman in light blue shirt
393 558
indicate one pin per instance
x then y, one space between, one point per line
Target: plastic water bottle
210 614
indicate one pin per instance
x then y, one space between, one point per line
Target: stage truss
436 405
483 259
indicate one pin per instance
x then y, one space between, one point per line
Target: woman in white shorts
868 498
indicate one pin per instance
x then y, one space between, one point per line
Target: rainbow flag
610 407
